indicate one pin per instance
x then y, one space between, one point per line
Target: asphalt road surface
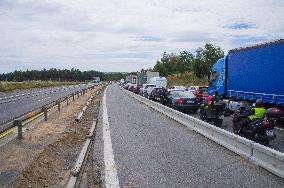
151 150
15 104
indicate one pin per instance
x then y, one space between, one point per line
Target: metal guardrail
26 118
260 155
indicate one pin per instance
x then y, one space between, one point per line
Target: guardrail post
78 94
58 105
44 110
18 123
67 100
73 96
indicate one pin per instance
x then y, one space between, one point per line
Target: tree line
59 75
199 62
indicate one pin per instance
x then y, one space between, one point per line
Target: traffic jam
253 107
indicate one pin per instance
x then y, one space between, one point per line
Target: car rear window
184 94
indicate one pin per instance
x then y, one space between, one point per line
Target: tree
205 58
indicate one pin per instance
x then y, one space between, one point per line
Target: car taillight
265 123
180 101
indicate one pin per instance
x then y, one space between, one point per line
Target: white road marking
279 128
111 179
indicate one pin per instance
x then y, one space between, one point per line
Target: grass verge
11 86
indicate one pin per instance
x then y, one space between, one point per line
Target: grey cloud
241 25
147 38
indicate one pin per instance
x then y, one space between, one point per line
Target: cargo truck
251 73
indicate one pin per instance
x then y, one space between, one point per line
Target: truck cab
217 77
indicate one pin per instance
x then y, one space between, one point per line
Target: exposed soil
46 154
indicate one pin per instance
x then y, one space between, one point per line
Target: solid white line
111 179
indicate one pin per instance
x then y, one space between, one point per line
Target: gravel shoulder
44 157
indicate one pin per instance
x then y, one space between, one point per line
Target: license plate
269 133
189 102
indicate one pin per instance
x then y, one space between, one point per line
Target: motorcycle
213 113
260 131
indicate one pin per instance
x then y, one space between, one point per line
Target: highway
17 103
151 150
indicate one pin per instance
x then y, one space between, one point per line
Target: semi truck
251 73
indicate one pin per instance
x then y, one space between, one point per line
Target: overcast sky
127 35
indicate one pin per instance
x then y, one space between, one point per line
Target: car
148 89
159 95
184 101
137 89
193 89
176 88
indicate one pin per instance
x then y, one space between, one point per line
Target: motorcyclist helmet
243 105
258 103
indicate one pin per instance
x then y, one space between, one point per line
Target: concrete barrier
78 169
268 158
260 155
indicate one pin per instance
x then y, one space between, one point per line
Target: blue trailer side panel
257 73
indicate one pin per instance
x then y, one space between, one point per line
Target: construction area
48 151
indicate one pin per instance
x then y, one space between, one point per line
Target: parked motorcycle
213 113
261 130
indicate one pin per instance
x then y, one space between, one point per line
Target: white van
159 82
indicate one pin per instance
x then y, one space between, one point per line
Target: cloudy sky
127 35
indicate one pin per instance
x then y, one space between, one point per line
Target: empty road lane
151 150
18 103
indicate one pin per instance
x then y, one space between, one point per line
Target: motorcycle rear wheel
218 122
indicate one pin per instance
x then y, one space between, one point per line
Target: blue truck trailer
251 73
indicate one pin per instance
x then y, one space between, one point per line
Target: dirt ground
47 153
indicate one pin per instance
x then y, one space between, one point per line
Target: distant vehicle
148 90
159 82
251 73
184 101
150 75
193 89
159 95
127 86
176 88
136 89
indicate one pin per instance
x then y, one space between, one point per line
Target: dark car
137 89
159 95
184 101
131 88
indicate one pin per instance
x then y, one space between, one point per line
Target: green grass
186 79
11 86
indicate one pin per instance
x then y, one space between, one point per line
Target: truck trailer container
251 73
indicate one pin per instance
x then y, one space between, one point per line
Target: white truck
159 82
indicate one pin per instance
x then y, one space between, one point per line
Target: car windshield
149 86
203 89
